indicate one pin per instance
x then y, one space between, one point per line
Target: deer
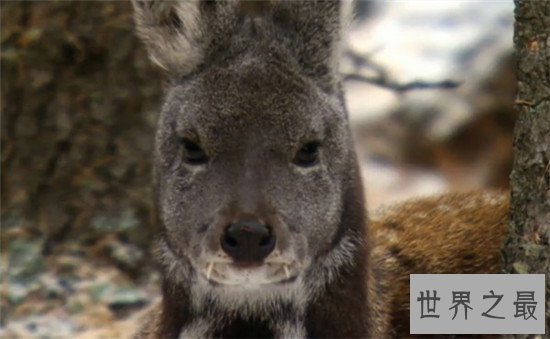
264 226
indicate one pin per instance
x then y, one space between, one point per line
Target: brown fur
452 233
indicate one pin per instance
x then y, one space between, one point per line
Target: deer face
254 162
250 163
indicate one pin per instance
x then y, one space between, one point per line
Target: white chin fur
227 274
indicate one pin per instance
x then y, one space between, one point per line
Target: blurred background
430 89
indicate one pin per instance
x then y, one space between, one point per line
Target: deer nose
248 241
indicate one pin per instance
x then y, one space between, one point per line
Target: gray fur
184 36
251 86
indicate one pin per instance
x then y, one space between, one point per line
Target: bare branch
382 79
417 84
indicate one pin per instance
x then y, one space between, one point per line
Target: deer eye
308 155
193 154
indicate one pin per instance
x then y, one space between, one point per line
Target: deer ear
315 29
171 32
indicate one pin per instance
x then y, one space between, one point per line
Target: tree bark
527 249
79 102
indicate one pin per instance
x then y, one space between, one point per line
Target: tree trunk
528 247
79 102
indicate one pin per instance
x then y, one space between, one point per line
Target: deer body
264 229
